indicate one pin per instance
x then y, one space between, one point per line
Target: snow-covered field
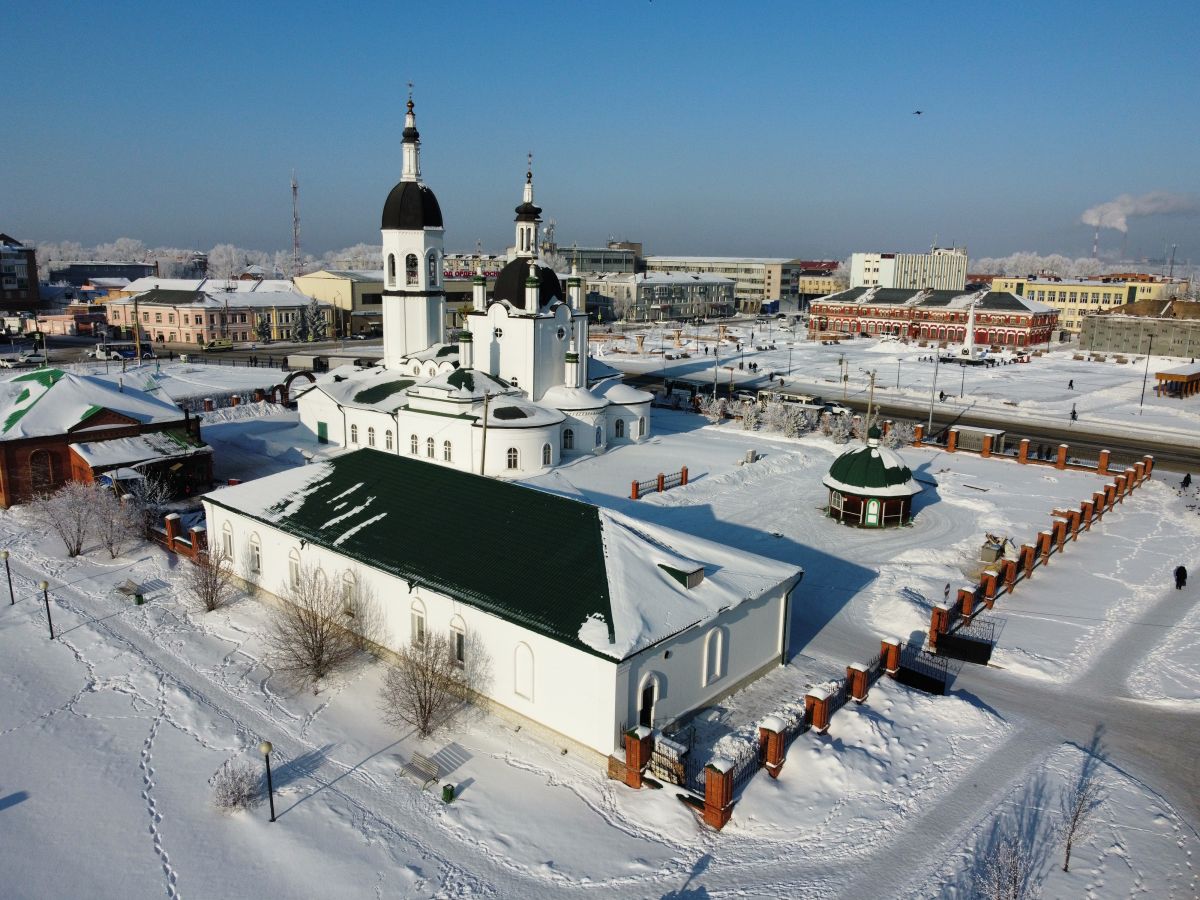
1105 393
111 734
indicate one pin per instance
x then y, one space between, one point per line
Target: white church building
515 395
593 622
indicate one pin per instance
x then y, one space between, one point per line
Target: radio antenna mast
295 225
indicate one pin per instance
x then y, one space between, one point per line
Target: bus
119 350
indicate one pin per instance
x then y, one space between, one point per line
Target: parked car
835 409
9 362
24 359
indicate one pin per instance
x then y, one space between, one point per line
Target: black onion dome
411 206
510 284
528 212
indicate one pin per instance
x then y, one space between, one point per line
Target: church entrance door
646 708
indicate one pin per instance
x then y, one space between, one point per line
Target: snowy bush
68 512
775 417
430 682
751 415
901 434
117 524
839 428
713 408
236 786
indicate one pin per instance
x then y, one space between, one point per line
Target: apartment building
197 317
757 279
1075 299
18 275
942 269
658 296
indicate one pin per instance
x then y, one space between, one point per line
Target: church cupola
529 218
414 304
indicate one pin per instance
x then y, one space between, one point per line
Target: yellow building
1079 297
355 295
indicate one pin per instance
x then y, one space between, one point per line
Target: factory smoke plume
1116 213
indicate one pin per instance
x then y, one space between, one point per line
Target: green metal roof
869 467
380 392
529 557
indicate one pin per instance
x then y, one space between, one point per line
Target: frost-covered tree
713 408
317 326
117 524
1008 873
225 261
359 256
901 434
751 415
431 680
69 512
210 579
840 428
309 637
262 327
362 611
123 249
1079 805
236 786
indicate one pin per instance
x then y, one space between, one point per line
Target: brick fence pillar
174 529
939 621
1027 558
633 491
1149 461
259 395
856 675
952 440
1099 503
1085 514
199 536
1044 541
990 580
718 793
1060 534
890 650
683 476
1110 495
1073 524
986 452
662 482
235 400
1102 463
1023 452
918 435
1061 461
1139 469
1010 575
208 404
771 739
1122 487
638 744
816 707
966 599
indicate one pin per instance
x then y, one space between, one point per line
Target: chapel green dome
872 469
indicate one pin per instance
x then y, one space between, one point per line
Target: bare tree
363 615
433 679
117 522
1007 873
237 785
210 579
151 493
1080 802
68 512
309 637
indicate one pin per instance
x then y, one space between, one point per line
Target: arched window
418 623
523 671
714 656
514 459
599 436
391 270
227 541
619 428
370 437
647 697
547 454
433 268
293 569
349 594
429 445
387 439
354 434
255 554
642 427
410 269
447 453
41 471
414 446
458 641
568 439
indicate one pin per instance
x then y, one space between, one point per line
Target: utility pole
937 361
295 225
137 329
870 404
1146 377
483 449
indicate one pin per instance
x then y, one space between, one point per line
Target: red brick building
1001 318
56 427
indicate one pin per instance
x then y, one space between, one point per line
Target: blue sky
738 128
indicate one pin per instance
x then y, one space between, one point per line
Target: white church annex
514 387
593 622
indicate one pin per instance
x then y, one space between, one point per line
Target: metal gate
923 670
670 756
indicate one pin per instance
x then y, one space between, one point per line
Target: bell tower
414 301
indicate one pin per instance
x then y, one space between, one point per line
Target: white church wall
552 335
635 423
530 444
568 691
317 407
584 439
750 638
369 428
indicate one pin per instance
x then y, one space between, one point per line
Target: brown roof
1164 309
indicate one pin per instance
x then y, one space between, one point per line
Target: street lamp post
962 388
790 343
937 361
45 586
7 571
265 749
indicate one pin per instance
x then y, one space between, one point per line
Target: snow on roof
360 275
562 396
1184 370
509 412
649 603
157 445
620 583
375 388
621 393
660 278
49 401
751 260
108 282
210 285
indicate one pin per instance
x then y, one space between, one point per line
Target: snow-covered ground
173 380
1105 393
111 734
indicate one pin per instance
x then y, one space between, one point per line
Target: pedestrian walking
1071 385
946 593
1074 415
1187 481
942 396
1180 578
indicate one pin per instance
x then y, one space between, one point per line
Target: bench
421 768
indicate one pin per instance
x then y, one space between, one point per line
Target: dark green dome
871 468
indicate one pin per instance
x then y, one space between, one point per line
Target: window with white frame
523 671
547 454
414 445
714 652
458 641
429 445
387 439
255 554
354 434
370 437
513 458
418 623
447 452
294 569
349 593
227 541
